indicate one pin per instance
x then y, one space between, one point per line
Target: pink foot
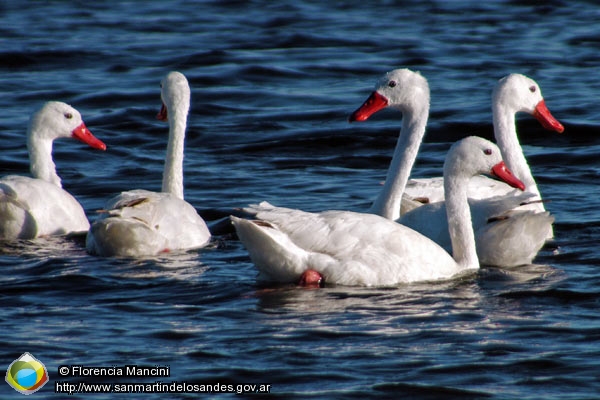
311 278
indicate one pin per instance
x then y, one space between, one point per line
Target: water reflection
458 306
45 247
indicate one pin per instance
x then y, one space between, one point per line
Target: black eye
68 115
392 84
532 89
487 152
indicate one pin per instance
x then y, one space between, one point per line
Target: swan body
350 248
37 206
512 94
144 223
501 219
431 190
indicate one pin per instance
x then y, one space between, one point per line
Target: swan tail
514 240
16 222
255 209
407 204
272 252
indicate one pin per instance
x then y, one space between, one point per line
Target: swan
38 206
349 248
144 223
523 230
512 94
498 213
408 92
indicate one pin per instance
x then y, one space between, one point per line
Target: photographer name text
115 370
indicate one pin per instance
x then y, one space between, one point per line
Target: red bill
374 103
501 171
542 114
83 133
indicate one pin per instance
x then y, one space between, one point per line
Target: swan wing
32 207
347 248
514 238
141 222
431 190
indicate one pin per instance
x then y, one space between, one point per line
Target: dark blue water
272 86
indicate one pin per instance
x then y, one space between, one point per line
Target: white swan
494 219
38 206
348 248
512 94
408 92
143 223
523 230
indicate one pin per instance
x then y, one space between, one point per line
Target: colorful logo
26 374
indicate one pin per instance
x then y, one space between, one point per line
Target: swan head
402 89
56 120
175 95
518 93
473 156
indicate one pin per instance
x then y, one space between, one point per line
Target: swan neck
173 173
41 163
387 204
505 132
460 225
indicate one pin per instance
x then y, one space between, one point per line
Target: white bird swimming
407 92
38 206
144 223
494 218
512 94
349 248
